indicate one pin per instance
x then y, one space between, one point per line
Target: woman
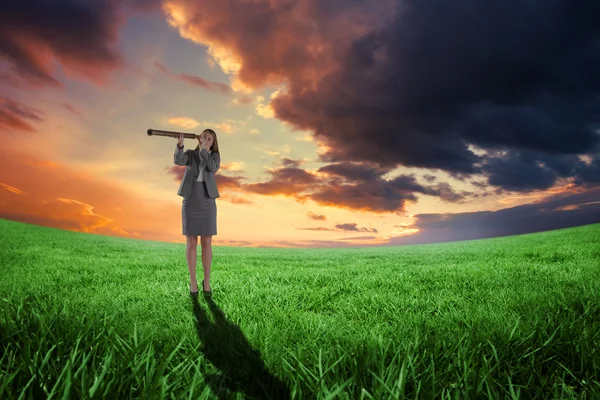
199 209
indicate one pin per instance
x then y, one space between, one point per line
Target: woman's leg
190 255
206 242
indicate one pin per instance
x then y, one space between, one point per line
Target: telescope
158 132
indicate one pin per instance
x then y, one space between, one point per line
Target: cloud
242 99
228 126
17 116
316 217
354 187
234 166
195 80
12 189
177 171
288 162
348 227
421 84
79 35
361 187
69 199
558 211
184 122
359 238
287 181
354 227
71 108
235 199
588 174
265 110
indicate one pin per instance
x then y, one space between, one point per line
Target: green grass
86 316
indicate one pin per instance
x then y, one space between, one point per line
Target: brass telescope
158 132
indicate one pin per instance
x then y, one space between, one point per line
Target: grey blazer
193 159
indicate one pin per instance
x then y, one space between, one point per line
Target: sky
340 123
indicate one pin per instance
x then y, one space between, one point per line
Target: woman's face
209 139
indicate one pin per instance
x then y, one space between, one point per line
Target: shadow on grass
240 366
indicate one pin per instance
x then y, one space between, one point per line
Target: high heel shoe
196 292
206 292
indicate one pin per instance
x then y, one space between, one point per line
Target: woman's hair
215 146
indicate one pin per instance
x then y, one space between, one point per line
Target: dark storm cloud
559 211
81 35
424 84
524 170
588 174
519 171
352 186
519 76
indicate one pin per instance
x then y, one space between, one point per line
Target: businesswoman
199 209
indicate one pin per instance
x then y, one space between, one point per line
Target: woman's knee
192 240
205 241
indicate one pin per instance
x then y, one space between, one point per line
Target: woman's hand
202 140
180 140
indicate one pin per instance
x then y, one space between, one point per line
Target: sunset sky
340 123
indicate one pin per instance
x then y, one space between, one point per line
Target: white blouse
201 174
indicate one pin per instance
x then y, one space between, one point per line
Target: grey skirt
199 212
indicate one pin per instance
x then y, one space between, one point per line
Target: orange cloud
235 199
69 200
316 217
233 166
12 189
184 122
297 49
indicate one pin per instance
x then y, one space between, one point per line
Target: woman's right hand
180 140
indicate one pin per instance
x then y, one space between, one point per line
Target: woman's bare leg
206 242
191 251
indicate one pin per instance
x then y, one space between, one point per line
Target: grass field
87 316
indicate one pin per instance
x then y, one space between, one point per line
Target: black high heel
206 292
196 292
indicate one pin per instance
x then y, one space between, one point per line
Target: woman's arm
212 161
181 157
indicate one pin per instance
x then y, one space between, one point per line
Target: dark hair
215 146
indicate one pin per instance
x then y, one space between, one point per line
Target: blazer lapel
198 161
